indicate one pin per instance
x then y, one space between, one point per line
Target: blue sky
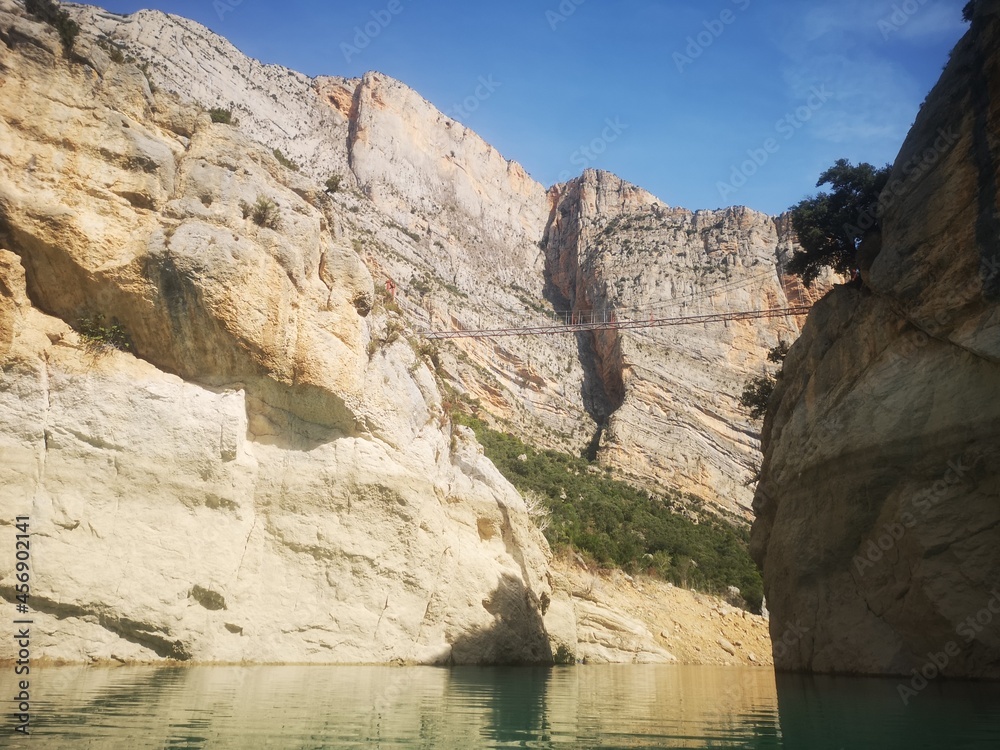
704 104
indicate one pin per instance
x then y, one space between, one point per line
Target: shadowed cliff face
878 511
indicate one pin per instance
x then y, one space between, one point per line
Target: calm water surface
464 708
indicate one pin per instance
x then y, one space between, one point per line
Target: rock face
664 399
270 476
471 241
269 472
878 524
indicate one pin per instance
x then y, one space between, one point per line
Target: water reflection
838 712
585 707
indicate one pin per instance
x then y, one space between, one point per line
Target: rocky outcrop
267 475
274 105
878 525
661 624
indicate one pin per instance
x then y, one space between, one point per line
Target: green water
465 708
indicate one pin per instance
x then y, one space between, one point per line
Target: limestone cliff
665 398
878 523
470 240
268 474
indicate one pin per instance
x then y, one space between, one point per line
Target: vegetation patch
832 225
409 233
264 212
101 337
333 183
617 524
757 391
285 161
51 13
113 50
222 116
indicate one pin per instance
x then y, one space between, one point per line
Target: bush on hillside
50 12
617 524
99 336
757 391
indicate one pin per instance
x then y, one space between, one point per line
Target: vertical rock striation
665 399
470 240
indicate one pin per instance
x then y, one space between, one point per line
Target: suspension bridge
609 320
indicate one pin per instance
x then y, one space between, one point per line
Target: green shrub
563 656
50 12
393 331
285 161
264 212
618 524
757 391
333 183
778 353
100 337
756 395
113 50
420 285
222 116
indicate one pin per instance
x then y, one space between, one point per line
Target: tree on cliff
757 391
831 225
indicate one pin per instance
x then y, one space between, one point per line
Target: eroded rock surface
878 522
268 475
470 240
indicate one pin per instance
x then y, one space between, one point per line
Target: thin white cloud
934 20
859 22
849 46
869 100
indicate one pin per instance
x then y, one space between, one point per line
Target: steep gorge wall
665 399
471 241
878 510
270 475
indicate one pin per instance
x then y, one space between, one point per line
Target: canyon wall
263 467
266 474
878 510
470 240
